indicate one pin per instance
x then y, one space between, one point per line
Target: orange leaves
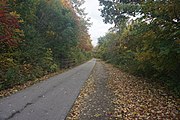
66 4
85 44
3 2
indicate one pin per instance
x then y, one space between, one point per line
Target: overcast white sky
99 28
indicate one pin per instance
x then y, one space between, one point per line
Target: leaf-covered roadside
81 100
95 99
137 99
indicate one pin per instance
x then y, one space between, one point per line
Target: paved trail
48 100
117 95
95 99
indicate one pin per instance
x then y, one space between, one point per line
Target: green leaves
51 31
115 11
153 39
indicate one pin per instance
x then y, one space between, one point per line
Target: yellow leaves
26 67
19 32
97 115
20 21
15 14
125 47
5 61
143 56
50 33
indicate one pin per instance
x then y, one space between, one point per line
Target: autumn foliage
144 40
36 36
10 29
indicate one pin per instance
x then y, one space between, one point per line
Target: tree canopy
146 38
36 35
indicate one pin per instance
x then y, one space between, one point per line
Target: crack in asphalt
72 78
19 111
38 97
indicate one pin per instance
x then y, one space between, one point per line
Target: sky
98 28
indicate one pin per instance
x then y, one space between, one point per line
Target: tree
147 46
50 31
116 11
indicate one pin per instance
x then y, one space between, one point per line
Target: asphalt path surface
48 100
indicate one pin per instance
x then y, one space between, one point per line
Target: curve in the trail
47 100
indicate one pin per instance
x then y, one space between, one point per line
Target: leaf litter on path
134 99
98 103
82 98
138 100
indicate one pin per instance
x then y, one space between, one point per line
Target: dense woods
36 35
145 39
